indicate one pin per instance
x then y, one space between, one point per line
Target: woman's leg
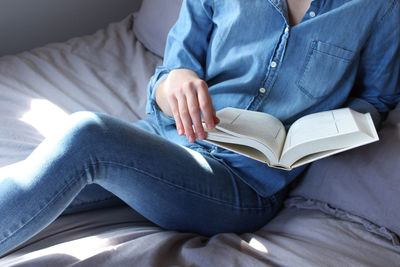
93 196
174 187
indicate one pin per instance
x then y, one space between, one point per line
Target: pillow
153 21
364 182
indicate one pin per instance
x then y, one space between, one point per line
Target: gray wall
25 24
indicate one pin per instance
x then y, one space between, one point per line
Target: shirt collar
281 6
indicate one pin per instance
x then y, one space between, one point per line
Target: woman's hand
185 96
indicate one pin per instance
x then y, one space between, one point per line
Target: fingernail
200 136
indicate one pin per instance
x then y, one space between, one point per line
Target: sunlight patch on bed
44 116
254 243
80 249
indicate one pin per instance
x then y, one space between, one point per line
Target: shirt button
273 64
286 29
312 14
262 90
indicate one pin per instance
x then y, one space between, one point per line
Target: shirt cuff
155 81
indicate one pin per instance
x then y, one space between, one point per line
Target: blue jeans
171 185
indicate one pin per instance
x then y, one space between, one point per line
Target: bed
344 211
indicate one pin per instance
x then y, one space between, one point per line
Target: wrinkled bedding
121 237
108 72
104 72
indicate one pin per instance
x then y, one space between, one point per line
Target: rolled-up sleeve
377 90
187 45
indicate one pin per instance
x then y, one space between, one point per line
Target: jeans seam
181 187
92 202
62 191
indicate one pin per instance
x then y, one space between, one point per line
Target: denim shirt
342 53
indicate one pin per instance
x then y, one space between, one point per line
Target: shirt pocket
323 68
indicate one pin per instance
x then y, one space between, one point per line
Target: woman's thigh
173 186
94 196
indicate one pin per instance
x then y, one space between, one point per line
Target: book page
245 150
254 129
324 131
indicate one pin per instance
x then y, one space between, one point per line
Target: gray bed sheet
121 237
105 72
108 72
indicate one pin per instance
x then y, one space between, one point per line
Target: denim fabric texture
343 53
173 186
251 58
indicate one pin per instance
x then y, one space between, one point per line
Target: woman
284 58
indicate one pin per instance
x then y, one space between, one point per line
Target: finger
216 119
206 106
185 118
173 102
194 110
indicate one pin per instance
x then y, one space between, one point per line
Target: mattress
108 72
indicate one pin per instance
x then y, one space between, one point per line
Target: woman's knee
83 128
85 122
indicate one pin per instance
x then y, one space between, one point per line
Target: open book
263 137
